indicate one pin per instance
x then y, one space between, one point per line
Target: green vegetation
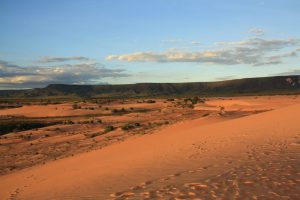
16 126
127 127
109 128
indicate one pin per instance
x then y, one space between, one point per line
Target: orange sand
152 160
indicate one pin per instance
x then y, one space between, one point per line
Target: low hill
247 86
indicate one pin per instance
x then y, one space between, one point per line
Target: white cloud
37 76
257 31
254 51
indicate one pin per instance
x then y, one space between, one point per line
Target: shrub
94 135
127 127
115 111
68 122
150 101
118 111
194 101
108 128
130 126
76 106
170 100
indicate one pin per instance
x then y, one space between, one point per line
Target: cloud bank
15 76
254 51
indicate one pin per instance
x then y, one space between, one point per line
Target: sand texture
252 157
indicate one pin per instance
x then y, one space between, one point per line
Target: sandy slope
185 160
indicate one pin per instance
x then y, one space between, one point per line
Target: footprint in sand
297 143
14 195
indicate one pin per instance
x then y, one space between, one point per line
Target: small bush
76 106
170 100
115 111
127 127
94 135
150 101
137 124
109 128
130 126
119 111
68 122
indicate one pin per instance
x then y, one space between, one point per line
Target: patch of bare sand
256 103
225 158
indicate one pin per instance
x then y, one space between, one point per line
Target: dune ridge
144 167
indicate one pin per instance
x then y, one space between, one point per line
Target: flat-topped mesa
246 86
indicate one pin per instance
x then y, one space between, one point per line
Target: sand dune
231 159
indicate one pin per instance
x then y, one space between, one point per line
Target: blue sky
130 41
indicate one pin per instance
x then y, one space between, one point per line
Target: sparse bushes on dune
68 122
16 126
127 127
91 121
